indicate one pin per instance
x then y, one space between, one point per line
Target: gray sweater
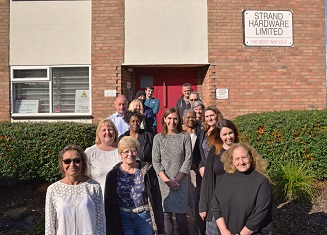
173 154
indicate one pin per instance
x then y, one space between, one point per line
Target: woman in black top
242 202
145 138
224 134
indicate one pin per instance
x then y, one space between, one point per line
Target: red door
167 83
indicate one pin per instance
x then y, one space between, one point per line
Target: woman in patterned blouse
74 204
132 195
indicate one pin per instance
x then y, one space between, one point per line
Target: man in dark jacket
184 102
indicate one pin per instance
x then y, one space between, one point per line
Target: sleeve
156 154
207 183
148 139
199 151
186 166
50 213
99 212
157 200
156 106
112 220
215 206
263 207
196 154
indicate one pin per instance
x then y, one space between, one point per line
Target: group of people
134 181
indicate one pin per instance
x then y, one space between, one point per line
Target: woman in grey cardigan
172 159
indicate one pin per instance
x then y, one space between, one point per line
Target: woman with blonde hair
136 105
132 194
242 203
103 155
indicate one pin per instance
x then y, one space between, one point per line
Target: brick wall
107 54
4 61
266 78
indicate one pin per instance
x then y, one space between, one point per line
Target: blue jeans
136 223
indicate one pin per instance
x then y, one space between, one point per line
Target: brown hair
164 125
110 124
216 111
82 155
214 139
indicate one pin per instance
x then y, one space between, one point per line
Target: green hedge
298 136
29 150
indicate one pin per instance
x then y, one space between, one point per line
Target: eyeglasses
132 151
194 99
75 160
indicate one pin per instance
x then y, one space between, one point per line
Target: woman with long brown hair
172 159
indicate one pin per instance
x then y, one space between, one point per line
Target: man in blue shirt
117 118
152 103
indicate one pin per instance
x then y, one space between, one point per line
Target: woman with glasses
103 155
74 204
172 159
132 195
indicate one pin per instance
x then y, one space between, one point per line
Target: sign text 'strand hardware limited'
267 28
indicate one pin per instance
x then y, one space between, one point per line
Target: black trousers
181 221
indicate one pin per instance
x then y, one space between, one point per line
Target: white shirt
74 209
100 163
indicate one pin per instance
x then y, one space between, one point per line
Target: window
50 90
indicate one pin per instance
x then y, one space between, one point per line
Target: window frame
48 80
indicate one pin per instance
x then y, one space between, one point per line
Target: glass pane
71 90
31 97
30 73
146 80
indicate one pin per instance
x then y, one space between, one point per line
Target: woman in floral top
132 195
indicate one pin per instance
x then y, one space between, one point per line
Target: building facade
68 60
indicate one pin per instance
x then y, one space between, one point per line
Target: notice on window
82 101
26 106
268 28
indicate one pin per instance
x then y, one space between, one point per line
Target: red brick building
67 60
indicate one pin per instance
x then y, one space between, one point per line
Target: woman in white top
103 156
74 204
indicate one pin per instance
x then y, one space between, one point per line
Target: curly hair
129 114
216 111
214 139
258 163
82 155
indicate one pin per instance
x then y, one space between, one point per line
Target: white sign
82 101
26 106
109 93
268 28
222 94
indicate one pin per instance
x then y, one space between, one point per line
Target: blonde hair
128 142
110 124
257 163
131 105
